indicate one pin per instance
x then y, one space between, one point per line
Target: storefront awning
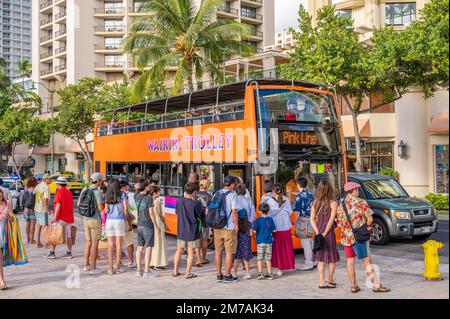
439 124
73 147
42 150
364 128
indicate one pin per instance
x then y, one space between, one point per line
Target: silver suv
17 189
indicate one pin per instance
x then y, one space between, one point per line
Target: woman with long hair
115 225
159 252
4 210
323 214
280 210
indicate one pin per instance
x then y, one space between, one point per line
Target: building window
248 12
441 168
400 13
114 25
113 43
344 13
115 61
376 155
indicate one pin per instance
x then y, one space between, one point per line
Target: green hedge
440 201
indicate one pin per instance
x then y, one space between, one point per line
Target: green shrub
440 201
389 172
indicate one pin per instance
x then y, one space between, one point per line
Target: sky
286 13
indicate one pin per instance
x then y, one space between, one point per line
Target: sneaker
111 272
269 276
305 268
139 273
68 255
279 273
50 255
93 272
120 270
132 266
150 274
248 276
86 269
230 278
219 278
260 276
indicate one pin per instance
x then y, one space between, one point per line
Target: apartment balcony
46 72
110 67
252 3
46 24
60 16
61 33
46 40
228 13
61 68
134 11
109 31
47 56
118 11
251 18
46 6
256 35
61 51
108 48
60 2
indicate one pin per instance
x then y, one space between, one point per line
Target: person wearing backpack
29 200
223 217
90 205
355 235
247 216
204 197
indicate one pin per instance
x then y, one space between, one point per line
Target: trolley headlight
402 215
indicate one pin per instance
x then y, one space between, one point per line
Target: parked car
396 214
72 184
17 189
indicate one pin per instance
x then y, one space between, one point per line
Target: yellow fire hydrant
430 250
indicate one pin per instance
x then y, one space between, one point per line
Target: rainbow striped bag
13 251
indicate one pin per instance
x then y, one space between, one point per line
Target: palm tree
184 34
24 69
4 79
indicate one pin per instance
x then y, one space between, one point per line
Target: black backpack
28 200
216 217
87 203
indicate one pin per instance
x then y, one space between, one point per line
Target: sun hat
45 176
96 177
351 186
62 180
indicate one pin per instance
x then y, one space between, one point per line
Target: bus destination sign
298 138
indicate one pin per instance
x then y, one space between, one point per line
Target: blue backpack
217 211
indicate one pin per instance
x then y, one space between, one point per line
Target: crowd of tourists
226 219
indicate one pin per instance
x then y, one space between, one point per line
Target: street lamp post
51 92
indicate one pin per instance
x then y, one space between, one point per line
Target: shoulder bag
362 234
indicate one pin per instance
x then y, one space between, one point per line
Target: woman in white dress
159 251
3 216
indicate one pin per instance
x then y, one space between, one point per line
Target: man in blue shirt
302 210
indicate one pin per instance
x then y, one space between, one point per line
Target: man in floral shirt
360 214
302 209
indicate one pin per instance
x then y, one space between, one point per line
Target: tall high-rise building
15 33
77 38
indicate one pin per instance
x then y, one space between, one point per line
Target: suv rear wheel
380 232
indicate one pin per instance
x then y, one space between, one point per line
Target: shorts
41 218
67 229
29 216
225 238
359 250
206 233
190 244
145 237
93 230
115 227
264 252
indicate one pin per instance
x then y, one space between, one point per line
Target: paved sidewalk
43 278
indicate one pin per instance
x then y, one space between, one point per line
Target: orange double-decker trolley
258 129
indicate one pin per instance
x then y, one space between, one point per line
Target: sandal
205 262
176 274
190 276
198 265
381 289
3 287
356 289
332 284
328 286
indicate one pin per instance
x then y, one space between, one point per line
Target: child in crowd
264 227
